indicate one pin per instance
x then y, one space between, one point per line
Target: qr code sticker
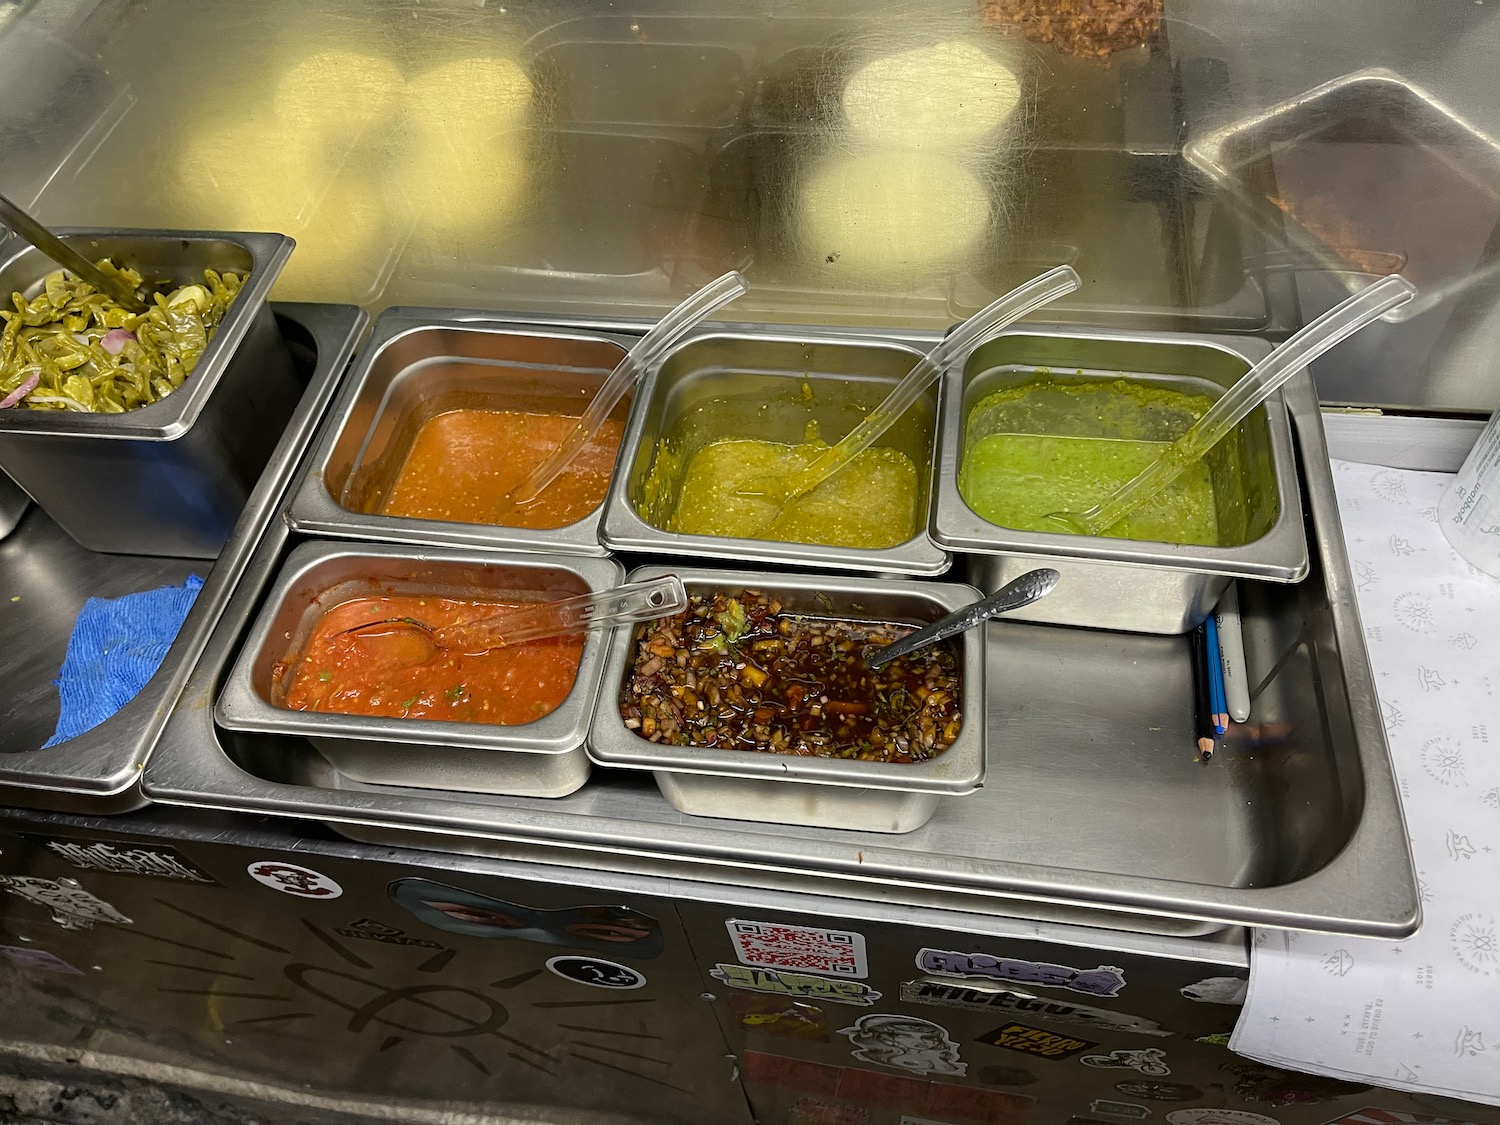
768 945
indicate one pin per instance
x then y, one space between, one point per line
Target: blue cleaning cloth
116 646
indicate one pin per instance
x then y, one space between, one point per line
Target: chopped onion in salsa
739 673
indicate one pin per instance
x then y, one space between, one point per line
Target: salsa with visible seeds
738 673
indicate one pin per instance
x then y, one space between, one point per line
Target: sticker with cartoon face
906 1043
596 973
602 929
294 879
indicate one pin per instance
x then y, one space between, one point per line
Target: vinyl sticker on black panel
803 985
1036 1041
1103 980
906 1043
124 858
1125 1111
1050 1009
72 907
294 879
809 949
1151 1061
603 929
596 973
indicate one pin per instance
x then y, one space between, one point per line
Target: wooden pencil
1216 676
1203 714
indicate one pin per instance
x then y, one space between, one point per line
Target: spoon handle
634 601
64 255
1333 327
648 349
1014 594
989 321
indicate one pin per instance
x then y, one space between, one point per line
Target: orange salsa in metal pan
463 464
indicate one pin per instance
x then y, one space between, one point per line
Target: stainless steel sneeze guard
771 384
544 758
1093 808
1122 583
181 469
100 770
418 362
817 792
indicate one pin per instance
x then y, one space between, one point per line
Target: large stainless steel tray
417 363
817 792
545 758
45 578
1094 808
1122 583
180 470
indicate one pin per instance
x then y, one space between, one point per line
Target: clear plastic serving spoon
966 336
666 332
407 641
1257 385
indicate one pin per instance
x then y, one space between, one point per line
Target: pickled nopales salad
73 348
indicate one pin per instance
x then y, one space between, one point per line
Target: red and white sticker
808 949
292 879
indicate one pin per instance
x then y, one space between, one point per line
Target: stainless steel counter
45 578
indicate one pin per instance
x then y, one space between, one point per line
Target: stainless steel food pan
818 792
421 363
540 759
1119 583
170 478
767 386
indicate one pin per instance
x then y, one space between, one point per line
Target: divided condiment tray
1094 809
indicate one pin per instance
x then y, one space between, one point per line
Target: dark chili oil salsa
737 673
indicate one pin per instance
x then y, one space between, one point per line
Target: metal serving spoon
1018 592
407 641
64 255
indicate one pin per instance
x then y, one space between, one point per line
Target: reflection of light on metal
1233 156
